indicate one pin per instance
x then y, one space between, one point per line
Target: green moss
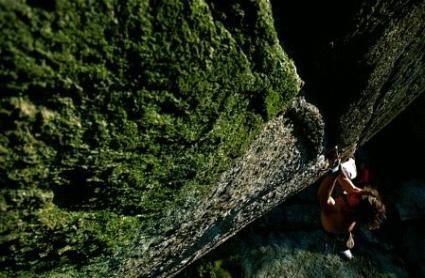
111 113
213 270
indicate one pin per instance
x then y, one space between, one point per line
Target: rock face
277 164
395 63
362 61
116 114
136 136
287 243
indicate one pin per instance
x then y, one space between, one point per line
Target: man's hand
324 195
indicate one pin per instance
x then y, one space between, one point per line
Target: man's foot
346 254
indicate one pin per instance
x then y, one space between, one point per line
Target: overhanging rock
278 163
136 136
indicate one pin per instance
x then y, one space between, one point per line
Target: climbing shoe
346 254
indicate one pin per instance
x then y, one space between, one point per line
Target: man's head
370 210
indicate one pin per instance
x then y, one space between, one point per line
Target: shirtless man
341 214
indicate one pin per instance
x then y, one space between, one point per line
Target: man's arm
324 195
346 183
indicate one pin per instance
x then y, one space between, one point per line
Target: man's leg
350 241
346 245
340 244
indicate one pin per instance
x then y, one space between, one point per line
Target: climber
349 207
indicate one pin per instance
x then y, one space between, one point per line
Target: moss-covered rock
138 135
113 113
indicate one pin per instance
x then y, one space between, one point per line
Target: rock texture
395 64
277 164
136 136
286 243
116 114
362 61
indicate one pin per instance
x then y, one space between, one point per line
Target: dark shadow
48 5
315 35
74 194
396 153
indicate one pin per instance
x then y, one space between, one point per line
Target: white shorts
349 168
